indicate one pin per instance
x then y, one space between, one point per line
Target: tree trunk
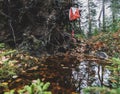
99 21
104 25
89 21
113 13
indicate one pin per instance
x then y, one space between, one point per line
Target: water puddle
89 74
64 73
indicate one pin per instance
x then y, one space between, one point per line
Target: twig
2 13
13 32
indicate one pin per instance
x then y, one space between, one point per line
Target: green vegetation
112 26
37 87
2 45
115 69
101 90
7 72
115 80
8 69
41 30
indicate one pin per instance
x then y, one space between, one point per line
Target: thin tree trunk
113 13
104 25
99 21
89 21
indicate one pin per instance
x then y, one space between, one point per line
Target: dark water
89 74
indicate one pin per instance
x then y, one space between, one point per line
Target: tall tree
103 8
89 19
91 16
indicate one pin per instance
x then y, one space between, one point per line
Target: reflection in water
89 74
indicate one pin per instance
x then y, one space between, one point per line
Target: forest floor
18 69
